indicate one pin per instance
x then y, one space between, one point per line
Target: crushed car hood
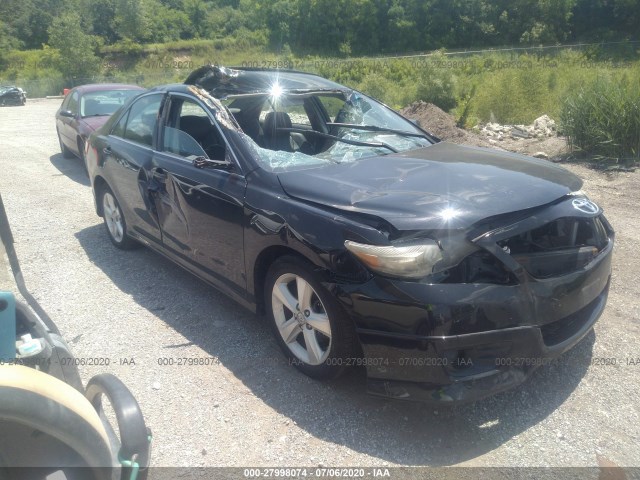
444 186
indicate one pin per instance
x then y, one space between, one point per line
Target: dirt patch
443 126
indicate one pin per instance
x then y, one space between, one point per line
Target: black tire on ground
308 348
114 221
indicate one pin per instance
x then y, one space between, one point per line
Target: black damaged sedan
12 95
448 272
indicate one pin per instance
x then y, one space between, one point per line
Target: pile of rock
542 127
540 139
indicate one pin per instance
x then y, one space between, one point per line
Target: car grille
559 247
480 267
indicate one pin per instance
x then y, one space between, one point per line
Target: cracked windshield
290 130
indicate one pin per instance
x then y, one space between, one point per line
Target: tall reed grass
602 118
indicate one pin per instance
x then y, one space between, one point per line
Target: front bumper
469 367
462 342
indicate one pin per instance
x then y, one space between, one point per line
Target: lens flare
449 213
276 90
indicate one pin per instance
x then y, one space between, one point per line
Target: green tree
77 49
7 42
168 24
196 11
283 19
606 19
402 32
99 15
329 27
131 20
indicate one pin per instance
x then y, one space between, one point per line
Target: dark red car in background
86 108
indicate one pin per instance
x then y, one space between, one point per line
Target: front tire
308 323
114 221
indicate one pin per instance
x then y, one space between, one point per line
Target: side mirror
203 162
416 122
66 113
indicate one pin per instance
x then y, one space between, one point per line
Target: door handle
106 150
158 180
159 174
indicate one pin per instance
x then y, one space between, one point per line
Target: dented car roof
222 82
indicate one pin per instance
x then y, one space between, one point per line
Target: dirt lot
250 409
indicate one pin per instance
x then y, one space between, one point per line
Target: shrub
602 118
378 87
513 95
436 84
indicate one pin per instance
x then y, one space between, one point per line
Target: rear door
128 155
200 210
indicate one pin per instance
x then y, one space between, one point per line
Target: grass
602 118
595 97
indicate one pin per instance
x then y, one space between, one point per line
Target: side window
142 119
65 102
332 105
190 132
118 128
73 103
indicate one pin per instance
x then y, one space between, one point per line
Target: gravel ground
249 408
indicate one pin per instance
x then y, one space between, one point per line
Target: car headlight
414 260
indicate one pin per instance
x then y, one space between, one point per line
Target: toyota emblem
585 206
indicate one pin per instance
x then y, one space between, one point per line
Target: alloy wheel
113 217
301 319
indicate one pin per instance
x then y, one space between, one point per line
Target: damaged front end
558 247
532 288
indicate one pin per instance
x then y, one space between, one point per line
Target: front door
67 126
200 210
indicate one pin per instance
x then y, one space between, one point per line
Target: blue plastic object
7 326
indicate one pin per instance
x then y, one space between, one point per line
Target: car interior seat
274 138
249 124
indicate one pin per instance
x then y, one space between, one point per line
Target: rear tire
308 322
114 221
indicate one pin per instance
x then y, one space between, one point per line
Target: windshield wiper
339 139
374 128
